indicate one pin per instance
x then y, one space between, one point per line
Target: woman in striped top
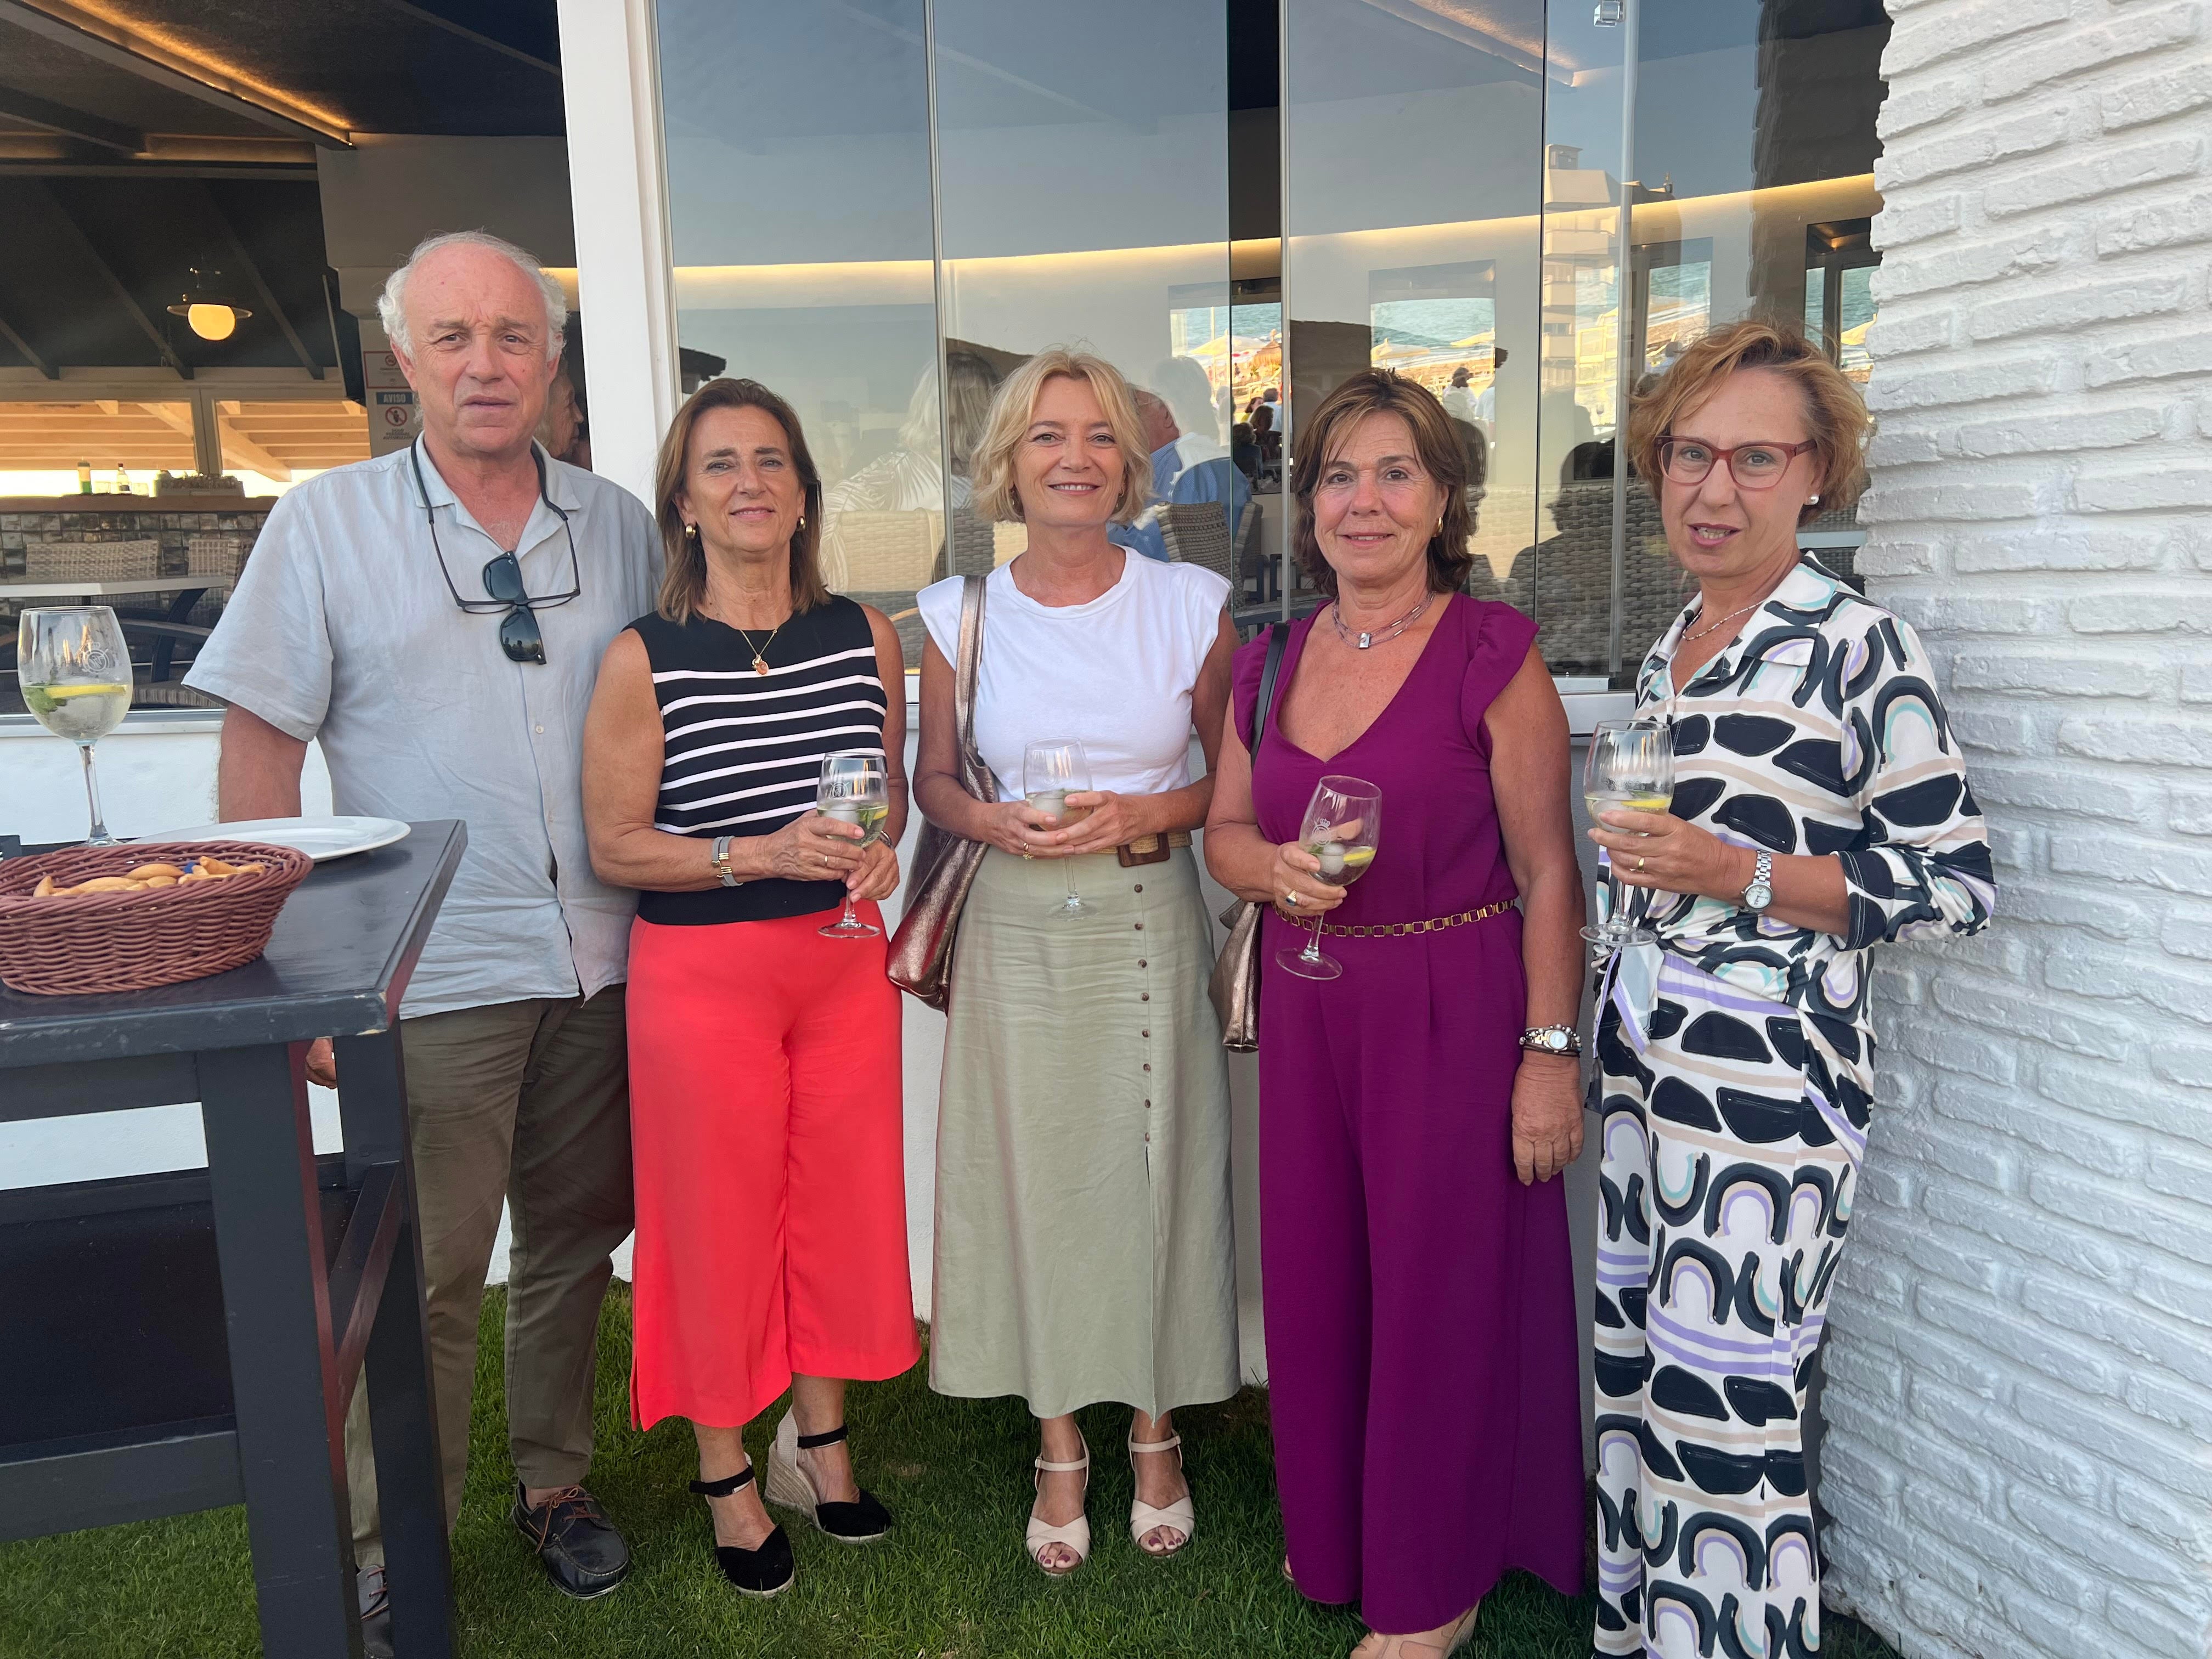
764 1057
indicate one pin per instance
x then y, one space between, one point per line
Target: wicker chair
1197 532
114 561
218 558
888 552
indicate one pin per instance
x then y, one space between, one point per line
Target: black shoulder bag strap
1279 636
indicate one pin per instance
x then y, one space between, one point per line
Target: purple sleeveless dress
1421 1341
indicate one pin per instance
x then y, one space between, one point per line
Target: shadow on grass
951 1582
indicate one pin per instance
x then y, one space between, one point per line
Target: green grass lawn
952 1583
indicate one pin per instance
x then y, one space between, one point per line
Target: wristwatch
722 861
1553 1040
1760 893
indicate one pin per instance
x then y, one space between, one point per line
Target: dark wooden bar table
175 1342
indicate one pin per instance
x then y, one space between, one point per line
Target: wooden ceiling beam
424 14
71 123
107 44
26 350
123 295
223 229
239 449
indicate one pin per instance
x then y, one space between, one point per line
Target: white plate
319 838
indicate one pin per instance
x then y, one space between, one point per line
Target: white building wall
2020 1375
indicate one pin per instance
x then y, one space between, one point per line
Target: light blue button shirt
342 629
1189 470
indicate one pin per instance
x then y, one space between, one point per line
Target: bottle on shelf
84 478
122 480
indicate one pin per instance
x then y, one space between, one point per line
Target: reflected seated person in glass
1566 580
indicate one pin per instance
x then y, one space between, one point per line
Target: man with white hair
435 617
1189 465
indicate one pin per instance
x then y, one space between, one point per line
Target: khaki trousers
527 1101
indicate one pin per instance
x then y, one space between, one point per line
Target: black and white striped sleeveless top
743 750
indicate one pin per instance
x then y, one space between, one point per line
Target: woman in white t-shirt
1084 1250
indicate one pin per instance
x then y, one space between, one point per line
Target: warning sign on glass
392 415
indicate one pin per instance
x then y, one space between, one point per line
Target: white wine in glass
854 788
1054 768
1631 767
74 669
1342 828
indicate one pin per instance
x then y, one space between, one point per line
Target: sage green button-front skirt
1084 1249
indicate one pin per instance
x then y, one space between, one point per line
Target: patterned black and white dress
1737 1068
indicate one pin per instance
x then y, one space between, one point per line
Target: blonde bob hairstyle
1836 418
1015 406
683 580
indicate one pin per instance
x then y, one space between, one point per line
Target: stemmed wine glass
1631 765
1342 824
1053 769
854 788
74 669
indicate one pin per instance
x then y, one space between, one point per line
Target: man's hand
322 1063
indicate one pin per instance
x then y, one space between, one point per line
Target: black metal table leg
165 644
291 1447
402 1410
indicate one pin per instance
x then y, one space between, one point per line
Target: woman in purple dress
1415 1112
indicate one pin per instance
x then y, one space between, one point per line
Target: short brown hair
1015 404
1836 416
684 585
1385 391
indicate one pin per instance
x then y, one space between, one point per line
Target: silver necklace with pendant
1382 635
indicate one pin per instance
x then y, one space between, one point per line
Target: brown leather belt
1150 850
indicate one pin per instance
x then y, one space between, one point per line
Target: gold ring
1639 863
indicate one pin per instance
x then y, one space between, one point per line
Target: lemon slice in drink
45 699
1358 858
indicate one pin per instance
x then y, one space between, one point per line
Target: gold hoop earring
691 531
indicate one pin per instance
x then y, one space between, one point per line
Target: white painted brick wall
2020 1394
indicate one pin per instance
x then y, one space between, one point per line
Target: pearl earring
1811 500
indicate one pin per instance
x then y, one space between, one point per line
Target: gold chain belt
1400 929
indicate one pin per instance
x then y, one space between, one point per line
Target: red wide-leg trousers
771 1192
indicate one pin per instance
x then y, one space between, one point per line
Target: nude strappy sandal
1076 1534
1453 1637
1181 1515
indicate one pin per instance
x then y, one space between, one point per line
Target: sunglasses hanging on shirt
518 634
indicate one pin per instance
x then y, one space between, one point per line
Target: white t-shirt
1115 674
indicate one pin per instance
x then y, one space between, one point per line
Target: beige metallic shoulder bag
944 864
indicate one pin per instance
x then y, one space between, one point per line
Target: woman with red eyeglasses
1820 809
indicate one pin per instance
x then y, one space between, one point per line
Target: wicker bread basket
89 943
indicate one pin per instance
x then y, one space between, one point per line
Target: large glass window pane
1742 142
797 150
1083 200
1411 218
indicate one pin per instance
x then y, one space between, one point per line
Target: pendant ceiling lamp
207 312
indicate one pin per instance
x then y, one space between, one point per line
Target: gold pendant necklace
760 651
